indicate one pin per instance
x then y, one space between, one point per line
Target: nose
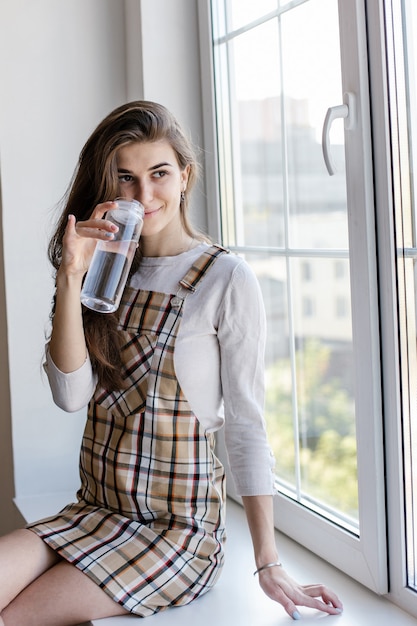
144 193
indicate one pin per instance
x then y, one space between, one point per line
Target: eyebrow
163 164
150 169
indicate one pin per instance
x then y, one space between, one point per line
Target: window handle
346 111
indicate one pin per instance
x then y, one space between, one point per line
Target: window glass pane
324 382
315 198
276 126
258 178
309 374
282 210
242 12
231 15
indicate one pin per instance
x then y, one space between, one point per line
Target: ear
184 177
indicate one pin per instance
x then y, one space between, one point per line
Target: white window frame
385 162
363 558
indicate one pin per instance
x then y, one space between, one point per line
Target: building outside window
306 273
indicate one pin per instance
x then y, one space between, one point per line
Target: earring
182 197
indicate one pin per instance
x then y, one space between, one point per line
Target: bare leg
23 557
37 588
62 596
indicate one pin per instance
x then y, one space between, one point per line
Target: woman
147 531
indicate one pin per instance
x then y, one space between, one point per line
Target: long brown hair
95 181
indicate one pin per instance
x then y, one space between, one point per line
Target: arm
71 391
67 365
241 336
274 581
67 345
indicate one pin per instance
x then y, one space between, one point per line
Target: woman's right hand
67 345
80 238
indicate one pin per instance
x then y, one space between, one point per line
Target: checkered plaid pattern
148 526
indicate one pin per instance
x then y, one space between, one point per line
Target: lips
152 212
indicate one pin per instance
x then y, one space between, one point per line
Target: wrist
267 566
65 279
267 553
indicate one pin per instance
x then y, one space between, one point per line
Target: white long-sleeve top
218 358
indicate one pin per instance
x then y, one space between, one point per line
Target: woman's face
149 172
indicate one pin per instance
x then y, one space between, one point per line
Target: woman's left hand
279 586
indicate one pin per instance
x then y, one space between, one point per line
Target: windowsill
237 598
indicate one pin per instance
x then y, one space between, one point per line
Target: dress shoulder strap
201 266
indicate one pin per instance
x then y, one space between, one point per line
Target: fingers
80 238
102 208
95 227
282 597
316 597
328 596
71 224
70 231
329 602
281 588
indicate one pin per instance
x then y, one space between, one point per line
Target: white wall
63 66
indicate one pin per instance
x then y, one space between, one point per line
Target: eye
160 174
125 178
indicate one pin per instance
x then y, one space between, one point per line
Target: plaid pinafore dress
148 526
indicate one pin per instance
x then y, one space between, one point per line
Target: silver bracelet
276 564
